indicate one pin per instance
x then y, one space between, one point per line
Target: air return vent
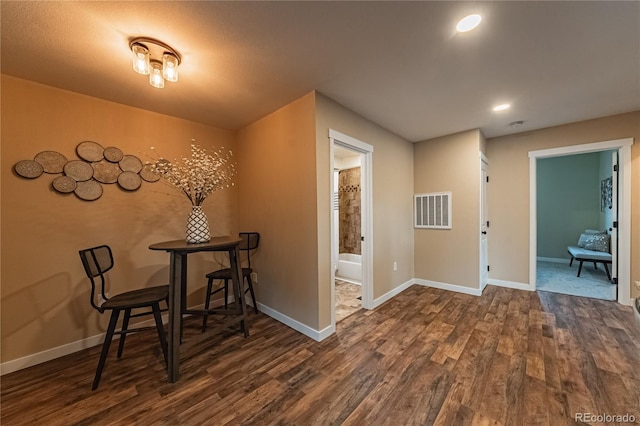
433 210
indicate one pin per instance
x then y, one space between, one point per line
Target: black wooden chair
250 241
97 261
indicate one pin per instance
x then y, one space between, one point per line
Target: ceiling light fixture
468 23
501 107
156 59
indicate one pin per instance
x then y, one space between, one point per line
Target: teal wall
568 201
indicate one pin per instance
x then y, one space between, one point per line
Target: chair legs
113 321
123 334
226 297
160 328
105 347
206 304
253 295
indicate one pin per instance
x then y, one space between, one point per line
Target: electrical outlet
254 277
395 266
637 283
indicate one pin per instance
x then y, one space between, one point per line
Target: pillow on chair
594 231
597 242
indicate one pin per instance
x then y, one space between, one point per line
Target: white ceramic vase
197 226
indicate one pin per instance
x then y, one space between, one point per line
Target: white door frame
484 218
366 152
624 207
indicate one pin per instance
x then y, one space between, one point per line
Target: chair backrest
250 241
97 261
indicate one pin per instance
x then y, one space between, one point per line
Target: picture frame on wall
606 189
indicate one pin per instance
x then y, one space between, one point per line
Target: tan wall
277 197
44 292
509 188
450 163
392 199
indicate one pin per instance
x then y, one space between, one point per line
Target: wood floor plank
427 356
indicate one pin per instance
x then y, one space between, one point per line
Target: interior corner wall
45 292
277 198
392 175
450 163
568 201
509 190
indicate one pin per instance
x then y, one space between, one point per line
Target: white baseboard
317 335
63 350
553 259
510 284
450 287
49 354
402 287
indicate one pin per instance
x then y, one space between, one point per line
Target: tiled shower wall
349 216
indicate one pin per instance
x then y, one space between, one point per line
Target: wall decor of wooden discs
130 163
105 171
88 190
64 184
113 154
148 174
129 181
29 169
51 161
90 151
78 170
84 177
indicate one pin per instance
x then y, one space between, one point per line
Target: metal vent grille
433 210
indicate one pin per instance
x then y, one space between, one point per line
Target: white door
613 230
484 225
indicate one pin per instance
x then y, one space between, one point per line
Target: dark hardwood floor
426 357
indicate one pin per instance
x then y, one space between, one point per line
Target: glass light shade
170 67
468 23
140 59
155 77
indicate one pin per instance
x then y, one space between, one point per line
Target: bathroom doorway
347 208
350 226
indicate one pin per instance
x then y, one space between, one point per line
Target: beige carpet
347 301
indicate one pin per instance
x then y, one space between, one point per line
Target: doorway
623 148
351 226
576 207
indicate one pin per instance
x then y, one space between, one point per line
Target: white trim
484 207
317 335
510 284
389 295
624 207
49 354
349 142
449 287
553 259
66 349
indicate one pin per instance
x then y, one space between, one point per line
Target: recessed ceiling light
468 23
501 107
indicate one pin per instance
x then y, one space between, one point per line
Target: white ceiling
399 64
